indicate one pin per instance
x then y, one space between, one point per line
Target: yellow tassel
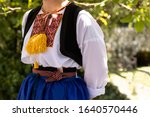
36 65
37 44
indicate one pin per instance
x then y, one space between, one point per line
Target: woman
57 44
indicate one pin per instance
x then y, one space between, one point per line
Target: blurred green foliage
134 13
108 13
112 93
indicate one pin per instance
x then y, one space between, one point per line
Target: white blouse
90 39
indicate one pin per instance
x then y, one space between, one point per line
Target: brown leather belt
53 75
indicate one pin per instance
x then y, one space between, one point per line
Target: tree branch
148 73
5 13
90 5
10 10
124 6
13 9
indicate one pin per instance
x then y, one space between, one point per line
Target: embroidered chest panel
41 25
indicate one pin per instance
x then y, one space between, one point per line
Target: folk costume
57 45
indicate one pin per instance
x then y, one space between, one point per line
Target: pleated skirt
34 87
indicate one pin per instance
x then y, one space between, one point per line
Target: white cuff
96 92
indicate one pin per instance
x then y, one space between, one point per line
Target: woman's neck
51 6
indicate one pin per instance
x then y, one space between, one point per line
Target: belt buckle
55 76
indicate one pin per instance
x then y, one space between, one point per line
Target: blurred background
126 25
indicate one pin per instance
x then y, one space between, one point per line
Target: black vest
68 42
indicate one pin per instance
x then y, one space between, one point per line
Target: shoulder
34 10
86 19
28 11
84 14
88 25
26 14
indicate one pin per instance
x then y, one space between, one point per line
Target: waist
55 74
53 69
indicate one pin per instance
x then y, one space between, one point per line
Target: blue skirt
34 87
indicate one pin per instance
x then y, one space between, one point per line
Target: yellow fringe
36 65
37 44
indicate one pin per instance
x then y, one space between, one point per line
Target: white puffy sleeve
25 57
91 42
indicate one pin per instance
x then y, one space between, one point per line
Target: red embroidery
50 30
38 25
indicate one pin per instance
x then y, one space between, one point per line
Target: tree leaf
2 1
104 21
127 19
147 22
116 1
135 2
139 26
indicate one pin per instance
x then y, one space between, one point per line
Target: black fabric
68 42
30 19
72 69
